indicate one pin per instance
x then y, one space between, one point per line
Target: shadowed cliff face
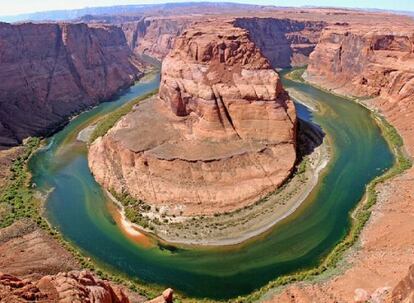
50 71
284 42
154 36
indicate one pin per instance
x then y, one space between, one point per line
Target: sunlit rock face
220 135
49 72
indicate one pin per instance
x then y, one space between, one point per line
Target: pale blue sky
11 7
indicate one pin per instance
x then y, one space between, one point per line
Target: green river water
78 208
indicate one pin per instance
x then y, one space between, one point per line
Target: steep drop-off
154 36
220 136
368 62
49 72
285 42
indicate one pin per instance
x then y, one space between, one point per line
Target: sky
13 7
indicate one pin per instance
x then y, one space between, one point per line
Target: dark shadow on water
309 137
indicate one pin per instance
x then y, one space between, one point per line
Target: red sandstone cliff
220 136
154 36
285 42
51 71
368 62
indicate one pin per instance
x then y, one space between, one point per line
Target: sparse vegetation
109 120
17 197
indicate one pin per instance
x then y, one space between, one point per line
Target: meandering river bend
78 207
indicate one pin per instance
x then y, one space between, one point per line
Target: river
78 208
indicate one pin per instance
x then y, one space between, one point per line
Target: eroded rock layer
285 42
51 71
220 135
368 62
154 36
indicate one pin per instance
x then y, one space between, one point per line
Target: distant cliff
49 72
285 42
154 36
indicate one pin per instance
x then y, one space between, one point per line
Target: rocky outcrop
220 136
49 72
155 36
73 286
404 291
285 42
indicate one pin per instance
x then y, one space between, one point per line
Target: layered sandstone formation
285 42
368 61
154 36
365 61
220 136
73 286
51 71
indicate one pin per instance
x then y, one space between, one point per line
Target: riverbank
381 218
234 227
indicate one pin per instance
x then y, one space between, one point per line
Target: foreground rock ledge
220 135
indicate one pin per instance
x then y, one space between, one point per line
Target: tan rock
220 136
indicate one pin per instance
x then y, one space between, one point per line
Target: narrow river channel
79 209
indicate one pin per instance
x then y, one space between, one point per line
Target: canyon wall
220 136
154 36
369 62
285 42
49 72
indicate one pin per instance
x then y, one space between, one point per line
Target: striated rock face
51 71
285 42
363 61
404 291
220 136
73 286
154 36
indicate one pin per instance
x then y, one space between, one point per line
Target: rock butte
220 135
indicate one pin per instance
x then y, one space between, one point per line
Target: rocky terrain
35 267
222 121
73 286
49 72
